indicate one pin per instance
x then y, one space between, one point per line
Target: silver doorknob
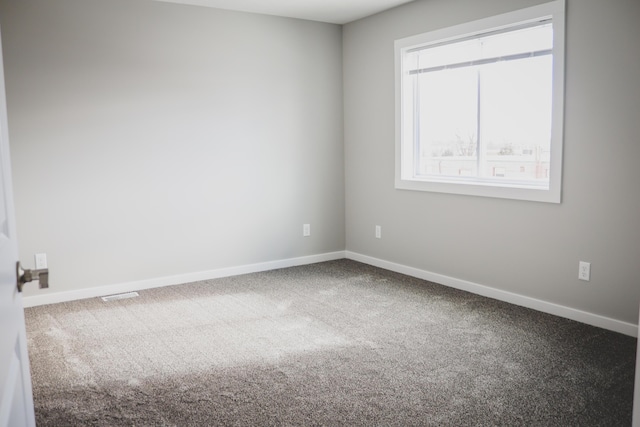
26 276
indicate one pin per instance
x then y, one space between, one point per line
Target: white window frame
405 178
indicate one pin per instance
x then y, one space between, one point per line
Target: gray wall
528 248
152 139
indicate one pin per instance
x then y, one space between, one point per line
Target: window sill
528 193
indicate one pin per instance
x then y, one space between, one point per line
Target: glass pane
525 40
446 131
515 124
452 53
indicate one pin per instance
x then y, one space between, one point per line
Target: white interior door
16 400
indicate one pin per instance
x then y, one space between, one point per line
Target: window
480 107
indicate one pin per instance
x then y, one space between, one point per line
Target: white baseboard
512 298
53 298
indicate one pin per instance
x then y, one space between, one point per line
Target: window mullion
479 152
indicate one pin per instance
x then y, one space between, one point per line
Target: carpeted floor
336 343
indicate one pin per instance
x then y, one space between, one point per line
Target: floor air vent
120 296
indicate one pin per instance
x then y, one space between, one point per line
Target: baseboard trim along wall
53 298
512 298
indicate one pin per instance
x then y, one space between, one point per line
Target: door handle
26 276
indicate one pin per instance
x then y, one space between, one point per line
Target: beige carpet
337 343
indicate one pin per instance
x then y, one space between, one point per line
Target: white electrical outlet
378 232
40 261
584 271
306 230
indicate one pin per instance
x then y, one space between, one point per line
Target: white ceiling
333 11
